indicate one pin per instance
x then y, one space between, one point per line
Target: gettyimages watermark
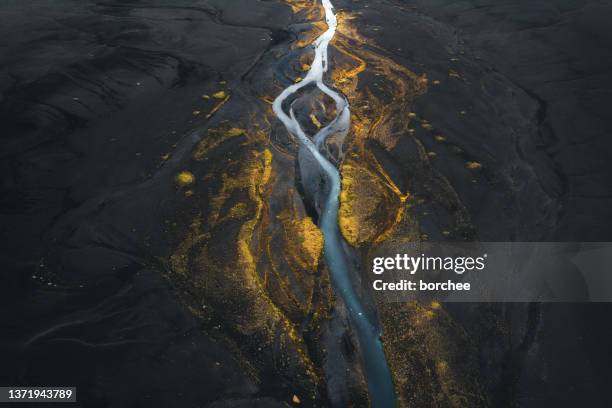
492 272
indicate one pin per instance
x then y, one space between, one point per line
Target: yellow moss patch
185 178
214 138
426 125
435 341
238 211
254 175
370 203
179 260
219 95
315 121
304 241
473 165
312 240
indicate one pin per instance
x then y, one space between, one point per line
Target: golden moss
306 38
312 240
179 260
439 138
473 165
222 268
216 137
372 117
233 132
238 211
185 178
315 121
219 95
370 202
434 363
304 241
252 177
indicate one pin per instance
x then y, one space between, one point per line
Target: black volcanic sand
95 94
523 90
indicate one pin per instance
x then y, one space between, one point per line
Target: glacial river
378 375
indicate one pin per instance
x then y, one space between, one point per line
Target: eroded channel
378 376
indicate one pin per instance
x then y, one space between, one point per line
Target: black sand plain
494 117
